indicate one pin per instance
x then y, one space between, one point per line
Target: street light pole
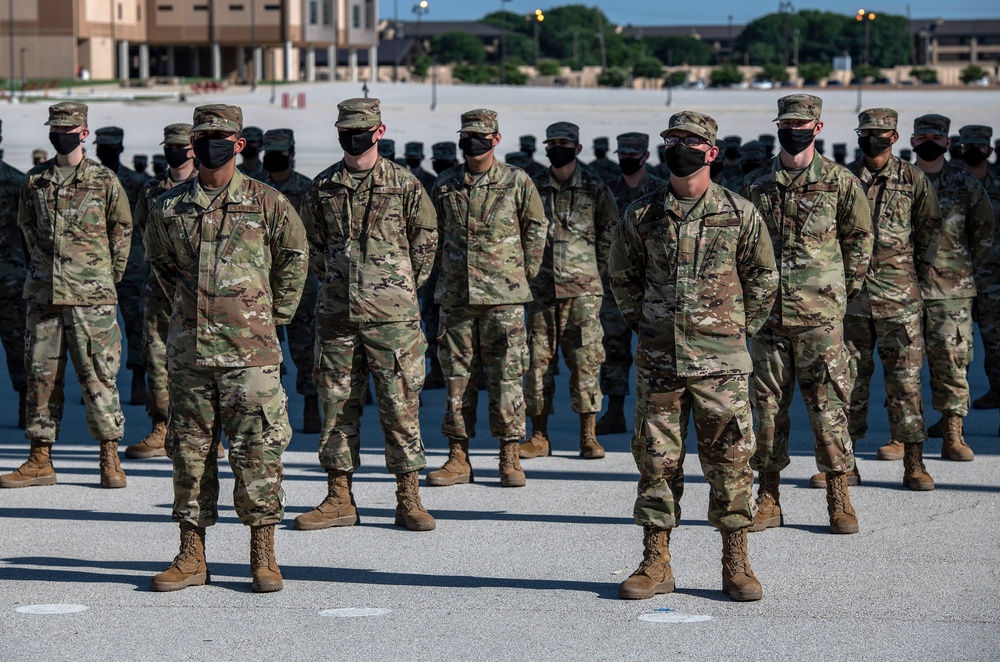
10 25
538 18
420 9
395 36
786 8
253 45
503 44
861 19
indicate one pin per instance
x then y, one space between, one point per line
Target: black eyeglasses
687 141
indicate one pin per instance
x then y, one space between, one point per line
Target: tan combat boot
915 474
654 575
263 566
337 509
538 444
312 422
589 448
189 567
410 513
36 471
768 504
891 452
457 470
818 480
112 476
152 445
613 420
511 474
838 504
953 446
738 580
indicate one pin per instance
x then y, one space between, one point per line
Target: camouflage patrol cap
799 107
414 150
276 140
159 159
177 134
218 117
387 148
754 151
883 119
818 143
906 155
732 141
562 131
67 113
692 122
527 141
253 134
39 154
976 134
767 139
933 125
633 143
515 158
359 114
480 120
444 151
602 143
109 135
840 149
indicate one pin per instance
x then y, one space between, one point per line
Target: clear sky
674 12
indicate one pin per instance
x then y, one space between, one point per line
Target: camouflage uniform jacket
426 179
992 186
692 287
372 244
962 246
133 183
153 189
258 173
821 229
234 267
624 195
78 234
492 235
733 183
13 265
905 216
534 168
295 188
606 169
582 215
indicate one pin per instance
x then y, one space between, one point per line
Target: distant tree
421 65
458 46
776 73
972 73
516 76
925 75
815 71
867 71
676 78
477 74
612 77
548 68
648 67
726 75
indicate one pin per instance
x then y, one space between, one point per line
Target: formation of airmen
741 272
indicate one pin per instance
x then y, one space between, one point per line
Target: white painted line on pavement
354 612
51 609
668 615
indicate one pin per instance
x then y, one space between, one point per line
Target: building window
235 7
119 11
138 13
164 8
272 7
356 12
369 14
200 7
327 12
313 12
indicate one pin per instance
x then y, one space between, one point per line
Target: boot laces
736 560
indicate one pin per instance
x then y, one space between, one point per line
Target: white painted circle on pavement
671 616
51 609
354 612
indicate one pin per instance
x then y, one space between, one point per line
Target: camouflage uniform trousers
301 334
948 335
819 358
494 336
575 326
393 352
988 318
156 324
724 427
94 341
901 348
251 408
12 325
131 295
617 343
430 312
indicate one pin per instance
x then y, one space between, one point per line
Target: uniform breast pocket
818 206
247 247
718 248
385 216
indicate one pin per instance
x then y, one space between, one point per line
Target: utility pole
600 37
395 37
785 8
253 45
503 43
538 18
10 25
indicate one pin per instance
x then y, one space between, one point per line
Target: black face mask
64 143
109 156
475 145
629 165
276 161
973 156
442 165
684 161
600 153
796 141
560 156
357 141
750 166
733 153
413 162
872 146
930 150
715 167
955 152
213 153
176 156
250 152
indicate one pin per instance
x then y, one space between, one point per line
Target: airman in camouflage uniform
279 157
492 228
139 163
75 219
888 311
733 157
752 156
131 288
567 292
975 150
414 155
231 254
529 145
373 236
840 153
159 164
13 270
517 159
958 252
157 307
635 182
693 272
387 149
39 156
602 166
821 228
252 166
659 170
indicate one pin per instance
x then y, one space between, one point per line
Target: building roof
703 32
942 28
430 29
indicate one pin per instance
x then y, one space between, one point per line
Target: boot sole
743 596
267 587
31 482
200 579
844 530
633 594
918 487
113 484
462 479
425 526
592 455
144 455
530 455
345 520
769 523
516 482
957 458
